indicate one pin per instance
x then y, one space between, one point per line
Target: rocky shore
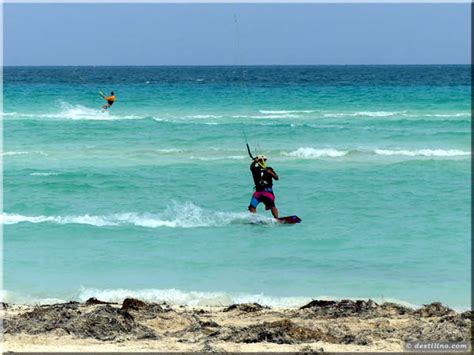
319 326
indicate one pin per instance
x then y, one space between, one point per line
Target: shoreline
320 325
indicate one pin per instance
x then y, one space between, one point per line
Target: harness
263 183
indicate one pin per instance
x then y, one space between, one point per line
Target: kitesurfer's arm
272 173
106 98
253 165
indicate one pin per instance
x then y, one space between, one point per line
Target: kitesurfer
263 177
110 100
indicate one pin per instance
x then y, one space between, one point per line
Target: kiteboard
289 220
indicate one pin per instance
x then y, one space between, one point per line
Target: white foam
311 153
16 298
424 152
189 298
79 112
44 174
76 112
237 157
232 157
178 215
199 298
7 218
282 112
286 115
364 113
14 153
170 150
204 116
24 153
458 114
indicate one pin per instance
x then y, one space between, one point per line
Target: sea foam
311 153
24 153
178 215
44 174
364 113
79 112
282 112
75 112
201 298
424 152
181 297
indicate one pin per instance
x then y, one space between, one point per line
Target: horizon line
226 65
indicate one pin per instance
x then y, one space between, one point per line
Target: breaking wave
24 153
315 153
424 152
190 298
458 114
44 174
205 116
364 113
231 157
285 115
170 150
75 112
199 298
312 153
68 111
186 215
282 112
180 297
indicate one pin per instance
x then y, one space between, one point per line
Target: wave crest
424 152
180 297
184 215
75 112
44 174
309 153
312 153
24 153
282 112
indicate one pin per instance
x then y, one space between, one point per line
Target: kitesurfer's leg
255 200
274 212
268 198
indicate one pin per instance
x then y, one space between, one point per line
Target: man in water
263 177
110 100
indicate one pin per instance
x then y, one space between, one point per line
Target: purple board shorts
267 197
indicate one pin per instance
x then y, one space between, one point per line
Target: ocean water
149 199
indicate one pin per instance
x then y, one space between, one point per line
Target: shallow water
149 199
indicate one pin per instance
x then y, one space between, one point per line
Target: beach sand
140 326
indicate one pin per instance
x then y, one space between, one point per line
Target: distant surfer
263 177
110 100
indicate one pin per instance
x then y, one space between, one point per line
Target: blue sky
205 34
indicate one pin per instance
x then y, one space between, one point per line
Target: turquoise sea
150 198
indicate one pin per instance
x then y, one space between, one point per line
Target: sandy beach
134 325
